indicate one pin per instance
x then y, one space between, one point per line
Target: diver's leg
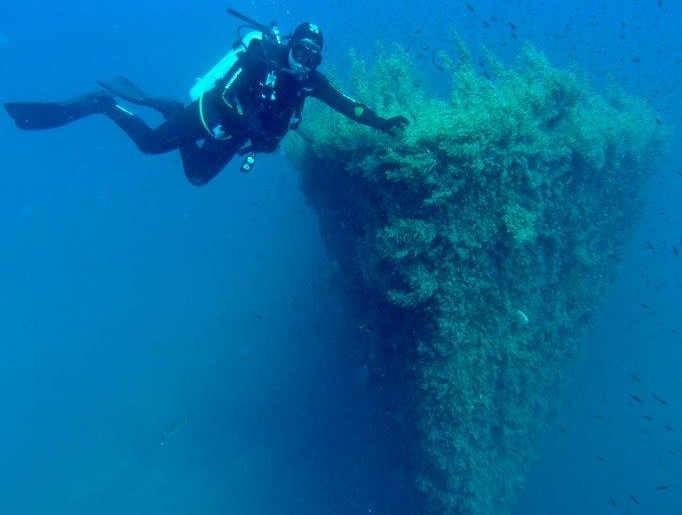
179 131
167 107
203 162
124 88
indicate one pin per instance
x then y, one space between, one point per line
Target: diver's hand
395 125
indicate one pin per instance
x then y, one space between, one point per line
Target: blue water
131 299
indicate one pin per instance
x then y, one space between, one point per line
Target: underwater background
135 305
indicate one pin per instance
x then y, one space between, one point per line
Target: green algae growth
481 244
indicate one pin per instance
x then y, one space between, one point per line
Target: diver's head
305 49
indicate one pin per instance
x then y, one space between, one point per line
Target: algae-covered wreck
482 242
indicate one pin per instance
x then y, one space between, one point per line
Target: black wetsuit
244 111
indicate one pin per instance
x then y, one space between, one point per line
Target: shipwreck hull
480 245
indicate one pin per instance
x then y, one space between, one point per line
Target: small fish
512 25
675 251
662 488
659 399
645 432
434 60
636 60
649 246
173 429
367 328
648 417
645 306
634 499
669 427
636 398
598 417
469 7
600 459
563 430
635 378
613 502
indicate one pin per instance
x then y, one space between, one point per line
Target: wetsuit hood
305 49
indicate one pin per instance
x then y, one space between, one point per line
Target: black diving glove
394 125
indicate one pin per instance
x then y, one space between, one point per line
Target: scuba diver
245 105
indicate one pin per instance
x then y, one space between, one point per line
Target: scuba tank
260 31
208 80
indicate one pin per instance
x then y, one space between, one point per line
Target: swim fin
124 88
49 115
